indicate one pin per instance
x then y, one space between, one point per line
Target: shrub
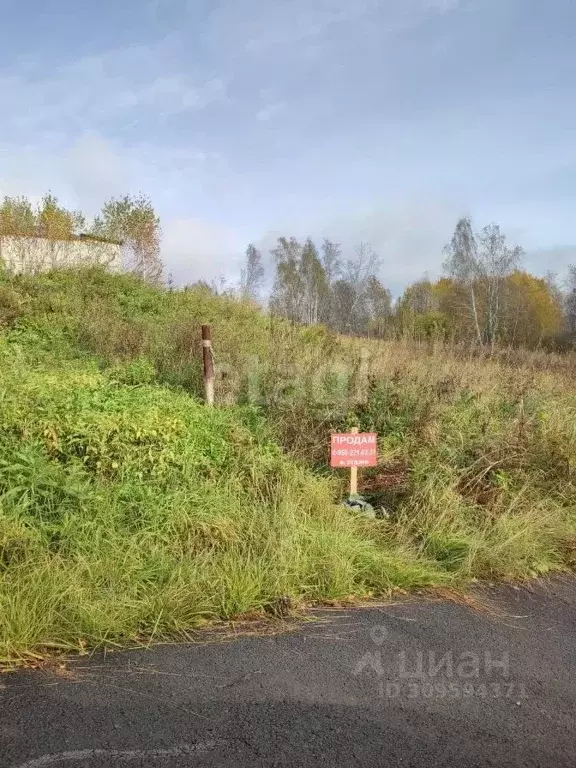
129 509
10 306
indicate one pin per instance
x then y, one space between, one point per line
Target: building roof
99 239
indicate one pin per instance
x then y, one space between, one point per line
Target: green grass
129 512
132 511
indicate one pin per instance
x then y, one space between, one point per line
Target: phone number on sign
350 453
452 690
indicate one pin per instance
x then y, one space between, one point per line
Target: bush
10 306
129 509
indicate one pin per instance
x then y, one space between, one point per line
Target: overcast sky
375 120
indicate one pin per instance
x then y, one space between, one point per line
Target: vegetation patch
129 511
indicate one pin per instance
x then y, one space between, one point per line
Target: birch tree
481 265
252 274
378 305
287 293
331 257
496 262
331 260
314 284
357 273
461 263
134 222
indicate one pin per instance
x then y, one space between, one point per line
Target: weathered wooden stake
354 471
208 364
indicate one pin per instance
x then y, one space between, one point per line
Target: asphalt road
416 683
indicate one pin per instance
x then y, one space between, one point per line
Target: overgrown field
129 511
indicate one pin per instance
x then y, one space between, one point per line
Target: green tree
17 217
533 311
288 291
314 284
419 297
481 265
49 220
133 221
344 297
378 305
331 257
56 222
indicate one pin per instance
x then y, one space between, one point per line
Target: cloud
261 28
91 167
193 250
270 111
96 170
444 6
118 84
556 259
408 236
330 102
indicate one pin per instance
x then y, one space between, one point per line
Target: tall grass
476 456
129 511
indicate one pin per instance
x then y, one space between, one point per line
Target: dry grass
130 513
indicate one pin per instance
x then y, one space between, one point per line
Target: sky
380 121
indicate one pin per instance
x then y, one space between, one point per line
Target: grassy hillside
130 511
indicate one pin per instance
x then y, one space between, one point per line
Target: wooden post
208 364
354 471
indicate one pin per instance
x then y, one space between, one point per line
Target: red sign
354 450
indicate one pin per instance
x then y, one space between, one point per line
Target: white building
38 254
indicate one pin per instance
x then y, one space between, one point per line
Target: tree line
484 296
